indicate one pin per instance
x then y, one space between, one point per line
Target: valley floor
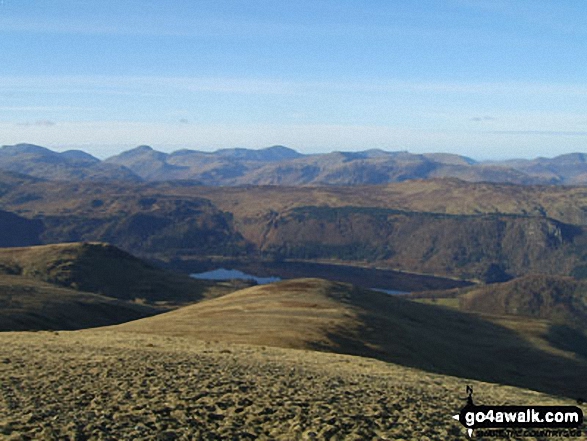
104 385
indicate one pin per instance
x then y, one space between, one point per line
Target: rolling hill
314 314
102 269
82 285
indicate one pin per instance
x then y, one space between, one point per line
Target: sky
489 79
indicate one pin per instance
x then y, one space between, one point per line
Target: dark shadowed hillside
138 219
19 231
81 285
490 247
550 310
169 226
27 304
560 299
100 268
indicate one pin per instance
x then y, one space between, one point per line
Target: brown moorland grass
336 317
433 196
105 385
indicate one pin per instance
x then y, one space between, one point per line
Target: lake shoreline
358 275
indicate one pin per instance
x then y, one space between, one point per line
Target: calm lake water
392 292
232 274
388 281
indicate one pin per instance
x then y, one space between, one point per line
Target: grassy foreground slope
95 384
335 317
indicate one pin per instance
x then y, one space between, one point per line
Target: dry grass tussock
105 385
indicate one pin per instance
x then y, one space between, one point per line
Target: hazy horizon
109 151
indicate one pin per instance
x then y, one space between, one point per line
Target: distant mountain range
438 226
43 163
280 165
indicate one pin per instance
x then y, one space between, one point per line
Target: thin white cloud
182 27
555 133
48 25
188 22
42 108
483 118
146 85
157 85
562 18
39 123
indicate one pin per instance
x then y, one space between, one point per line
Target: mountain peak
25 148
142 150
268 154
139 149
79 155
282 150
570 157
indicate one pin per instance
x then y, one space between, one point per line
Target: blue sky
486 78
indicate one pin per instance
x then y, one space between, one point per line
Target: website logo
557 420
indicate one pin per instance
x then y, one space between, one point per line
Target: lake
232 274
262 272
392 292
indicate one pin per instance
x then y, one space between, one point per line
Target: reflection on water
390 291
232 274
389 281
